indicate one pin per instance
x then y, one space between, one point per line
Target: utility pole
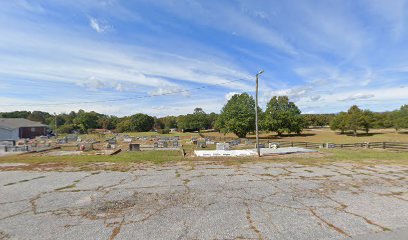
55 124
256 114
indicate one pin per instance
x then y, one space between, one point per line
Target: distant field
323 135
309 135
320 135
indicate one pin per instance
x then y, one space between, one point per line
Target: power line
121 99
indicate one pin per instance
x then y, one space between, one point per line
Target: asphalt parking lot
207 201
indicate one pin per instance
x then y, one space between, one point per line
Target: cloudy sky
166 57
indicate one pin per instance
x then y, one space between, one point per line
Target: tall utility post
55 123
256 114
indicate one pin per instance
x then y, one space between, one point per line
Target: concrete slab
262 200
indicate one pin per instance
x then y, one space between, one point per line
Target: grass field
362 156
324 135
309 135
156 157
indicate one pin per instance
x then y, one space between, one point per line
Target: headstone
274 145
71 138
155 144
7 143
85 146
175 144
201 144
134 147
128 140
112 141
223 146
261 145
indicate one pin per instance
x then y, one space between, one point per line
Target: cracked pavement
260 200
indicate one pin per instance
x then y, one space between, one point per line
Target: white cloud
315 98
170 90
92 83
358 96
98 26
229 95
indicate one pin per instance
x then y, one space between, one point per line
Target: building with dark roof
16 128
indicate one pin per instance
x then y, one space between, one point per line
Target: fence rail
394 146
397 146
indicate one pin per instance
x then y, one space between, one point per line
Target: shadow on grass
284 136
362 134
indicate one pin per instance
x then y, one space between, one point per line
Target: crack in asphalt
284 183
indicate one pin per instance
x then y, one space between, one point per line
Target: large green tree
196 121
339 122
238 115
136 123
282 115
355 119
87 120
399 118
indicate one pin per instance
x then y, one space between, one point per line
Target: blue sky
325 55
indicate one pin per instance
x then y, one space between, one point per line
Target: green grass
324 135
359 156
156 157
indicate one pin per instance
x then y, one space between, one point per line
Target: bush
163 131
67 128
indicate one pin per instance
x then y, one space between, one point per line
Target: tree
382 120
169 122
38 116
15 114
196 121
399 118
136 123
355 119
238 115
212 118
87 120
67 128
281 116
339 122
317 120
367 120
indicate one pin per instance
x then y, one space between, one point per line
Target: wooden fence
397 146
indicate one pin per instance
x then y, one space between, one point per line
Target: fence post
306 144
291 143
383 145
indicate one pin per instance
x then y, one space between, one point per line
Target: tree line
356 119
237 116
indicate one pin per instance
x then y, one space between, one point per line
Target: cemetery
188 145
86 144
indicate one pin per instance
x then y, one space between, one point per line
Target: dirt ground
205 200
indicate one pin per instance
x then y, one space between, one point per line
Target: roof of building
13 123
